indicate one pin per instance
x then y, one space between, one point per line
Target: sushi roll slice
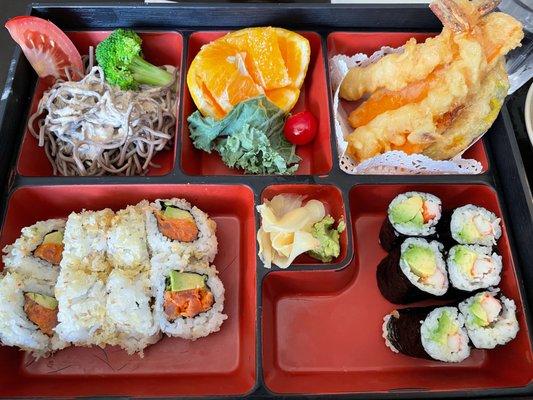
128 288
490 319
129 310
471 224
427 332
189 300
473 267
81 299
410 214
86 240
38 251
126 239
414 271
81 286
176 227
28 315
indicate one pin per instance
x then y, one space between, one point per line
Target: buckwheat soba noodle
89 127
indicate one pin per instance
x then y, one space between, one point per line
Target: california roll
435 333
414 271
410 214
490 319
473 267
471 224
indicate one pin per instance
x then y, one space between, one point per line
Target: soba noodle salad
113 120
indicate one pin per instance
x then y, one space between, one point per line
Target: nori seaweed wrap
401 331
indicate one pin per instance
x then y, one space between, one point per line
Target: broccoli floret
120 57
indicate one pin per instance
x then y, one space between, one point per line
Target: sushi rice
484 272
203 248
200 325
19 256
503 326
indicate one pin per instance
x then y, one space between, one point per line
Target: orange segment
296 54
222 70
264 59
203 99
210 102
245 64
284 98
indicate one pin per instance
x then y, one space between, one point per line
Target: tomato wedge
46 47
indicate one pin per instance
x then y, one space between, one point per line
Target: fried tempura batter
476 118
413 111
395 70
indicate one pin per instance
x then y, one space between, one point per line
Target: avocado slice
479 314
421 260
177 213
469 233
43 300
409 210
55 237
445 326
465 259
185 281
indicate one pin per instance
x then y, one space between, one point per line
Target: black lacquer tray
306 331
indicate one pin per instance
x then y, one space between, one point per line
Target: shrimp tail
461 15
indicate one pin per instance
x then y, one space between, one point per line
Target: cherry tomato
300 128
46 47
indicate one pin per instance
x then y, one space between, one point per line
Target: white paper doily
391 162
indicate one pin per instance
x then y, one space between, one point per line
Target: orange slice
245 64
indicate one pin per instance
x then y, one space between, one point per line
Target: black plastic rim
506 172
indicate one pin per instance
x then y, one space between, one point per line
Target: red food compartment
160 48
221 364
350 43
316 156
322 329
331 196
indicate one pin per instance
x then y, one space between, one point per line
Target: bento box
314 329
